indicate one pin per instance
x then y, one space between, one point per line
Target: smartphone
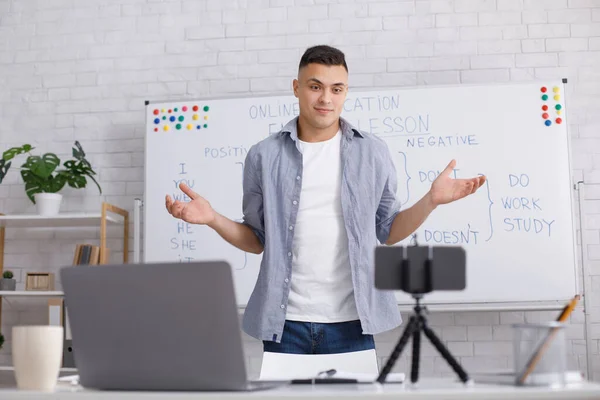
420 269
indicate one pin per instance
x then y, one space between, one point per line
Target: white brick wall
81 70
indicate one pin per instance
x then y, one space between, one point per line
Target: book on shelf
86 254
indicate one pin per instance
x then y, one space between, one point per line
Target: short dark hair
323 54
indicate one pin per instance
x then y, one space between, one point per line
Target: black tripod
416 324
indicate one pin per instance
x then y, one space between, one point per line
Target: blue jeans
317 338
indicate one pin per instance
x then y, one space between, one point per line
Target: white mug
37 356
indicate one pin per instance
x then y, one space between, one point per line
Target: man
317 197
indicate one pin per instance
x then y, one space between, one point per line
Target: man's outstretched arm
443 190
199 211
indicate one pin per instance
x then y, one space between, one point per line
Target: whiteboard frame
578 269
458 306
587 284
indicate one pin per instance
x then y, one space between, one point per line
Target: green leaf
15 151
74 167
55 184
32 185
88 165
76 181
42 166
4 166
78 152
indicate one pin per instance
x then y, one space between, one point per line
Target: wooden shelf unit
108 214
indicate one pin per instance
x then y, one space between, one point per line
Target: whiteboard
518 229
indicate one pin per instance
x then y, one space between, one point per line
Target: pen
568 309
329 372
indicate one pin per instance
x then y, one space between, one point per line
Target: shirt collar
348 130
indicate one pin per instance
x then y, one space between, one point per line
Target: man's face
321 91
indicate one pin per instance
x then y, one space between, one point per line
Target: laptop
157 326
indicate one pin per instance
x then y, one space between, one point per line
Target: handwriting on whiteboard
182 242
526 211
290 109
520 214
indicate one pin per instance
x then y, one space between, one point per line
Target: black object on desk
323 381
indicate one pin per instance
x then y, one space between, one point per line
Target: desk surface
427 389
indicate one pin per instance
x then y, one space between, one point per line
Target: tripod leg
412 325
445 353
414 371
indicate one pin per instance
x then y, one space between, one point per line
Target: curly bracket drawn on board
487 189
408 177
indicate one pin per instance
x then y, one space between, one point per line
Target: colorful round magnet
548 122
558 120
156 112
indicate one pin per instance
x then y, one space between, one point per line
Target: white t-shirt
321 287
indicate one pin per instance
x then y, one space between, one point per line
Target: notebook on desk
167 326
351 367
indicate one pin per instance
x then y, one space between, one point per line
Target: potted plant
7 282
43 180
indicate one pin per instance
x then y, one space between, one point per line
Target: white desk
429 389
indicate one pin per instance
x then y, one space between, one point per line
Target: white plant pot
48 204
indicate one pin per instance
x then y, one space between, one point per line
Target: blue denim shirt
271 195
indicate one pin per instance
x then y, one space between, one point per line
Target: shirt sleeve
387 209
252 200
